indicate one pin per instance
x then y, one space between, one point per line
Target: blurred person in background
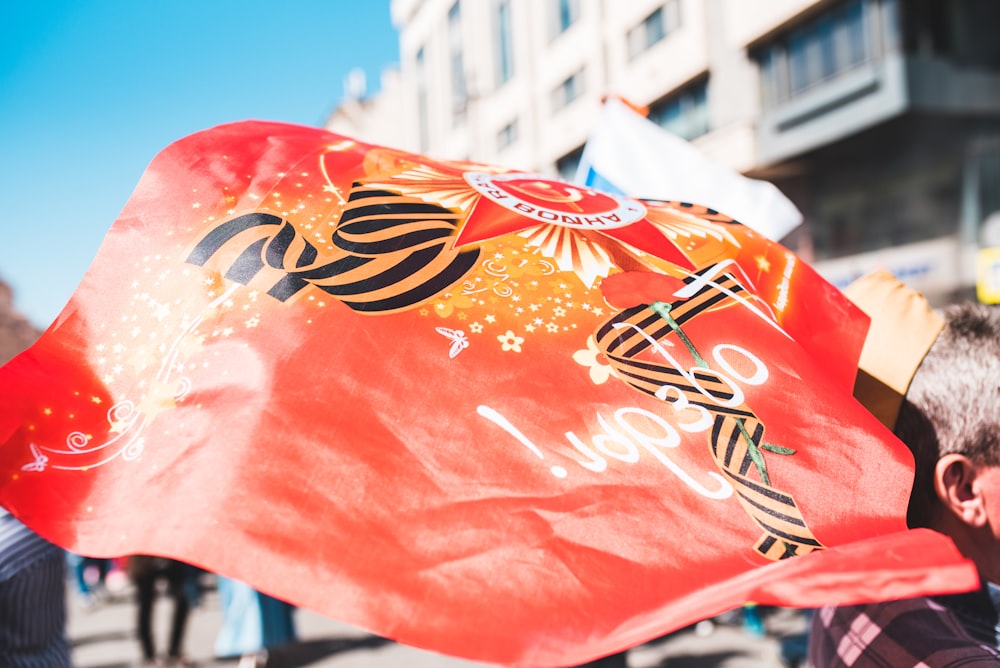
89 594
253 624
145 572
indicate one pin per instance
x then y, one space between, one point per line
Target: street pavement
103 636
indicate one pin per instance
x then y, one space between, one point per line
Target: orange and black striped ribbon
391 252
736 440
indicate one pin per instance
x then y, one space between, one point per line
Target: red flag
478 411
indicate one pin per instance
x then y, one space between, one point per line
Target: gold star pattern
503 280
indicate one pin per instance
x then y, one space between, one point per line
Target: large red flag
482 412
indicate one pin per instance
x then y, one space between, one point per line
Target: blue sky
91 90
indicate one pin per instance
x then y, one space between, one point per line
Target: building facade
880 119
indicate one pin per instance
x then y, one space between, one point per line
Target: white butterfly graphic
40 461
459 341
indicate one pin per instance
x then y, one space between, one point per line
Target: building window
566 165
564 14
504 46
570 89
684 113
459 93
817 52
422 117
961 32
660 23
507 135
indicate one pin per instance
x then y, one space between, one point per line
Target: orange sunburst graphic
702 240
431 184
572 250
581 230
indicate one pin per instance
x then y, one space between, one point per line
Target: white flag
630 155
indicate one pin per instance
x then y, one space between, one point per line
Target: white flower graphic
595 361
510 341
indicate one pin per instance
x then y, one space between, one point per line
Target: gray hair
953 403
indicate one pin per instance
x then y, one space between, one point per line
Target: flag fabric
629 154
478 411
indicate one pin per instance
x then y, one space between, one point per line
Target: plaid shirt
919 632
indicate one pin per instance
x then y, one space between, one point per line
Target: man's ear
954 483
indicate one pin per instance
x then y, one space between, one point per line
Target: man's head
950 419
